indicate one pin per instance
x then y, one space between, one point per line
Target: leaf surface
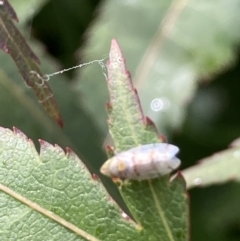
59 184
13 43
219 168
26 114
52 196
159 206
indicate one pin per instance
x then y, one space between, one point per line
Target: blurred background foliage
184 59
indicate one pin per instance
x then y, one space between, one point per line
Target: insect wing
166 151
163 151
143 162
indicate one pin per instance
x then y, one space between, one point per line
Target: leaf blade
13 43
125 105
159 208
60 184
143 198
219 168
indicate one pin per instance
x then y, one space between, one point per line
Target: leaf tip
10 10
95 177
163 138
60 121
44 144
178 177
70 153
108 106
115 55
110 151
20 133
150 123
16 130
115 45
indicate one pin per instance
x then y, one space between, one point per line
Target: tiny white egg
143 162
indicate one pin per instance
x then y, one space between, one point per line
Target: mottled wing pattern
143 162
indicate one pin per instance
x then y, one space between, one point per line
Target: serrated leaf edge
47 213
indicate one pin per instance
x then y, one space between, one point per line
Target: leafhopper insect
143 162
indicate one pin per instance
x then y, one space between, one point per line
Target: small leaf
13 43
127 124
159 206
219 168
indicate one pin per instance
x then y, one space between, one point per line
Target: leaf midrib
160 212
47 213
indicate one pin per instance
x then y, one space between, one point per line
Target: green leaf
169 46
26 114
127 124
13 43
219 168
156 204
52 196
160 207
